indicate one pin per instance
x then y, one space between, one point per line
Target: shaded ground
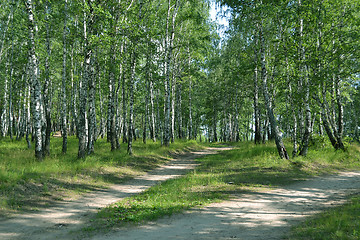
59 221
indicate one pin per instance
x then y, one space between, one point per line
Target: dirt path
265 215
59 221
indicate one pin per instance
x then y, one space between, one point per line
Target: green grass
246 168
337 223
27 184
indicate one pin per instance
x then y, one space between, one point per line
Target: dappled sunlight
257 215
71 215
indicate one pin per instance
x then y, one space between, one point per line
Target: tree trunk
124 109
28 116
274 127
63 87
304 75
215 124
111 101
340 123
172 135
82 126
190 103
256 99
169 39
131 102
92 110
152 118
4 114
178 112
37 110
73 100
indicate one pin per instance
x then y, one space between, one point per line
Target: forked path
264 215
59 221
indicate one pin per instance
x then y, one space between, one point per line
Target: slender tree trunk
82 127
4 118
28 115
37 113
4 114
131 102
172 136
11 117
145 117
63 88
73 100
304 75
147 83
178 112
256 99
340 123
190 99
111 101
215 124
92 110
101 109
274 127
170 34
118 120
328 129
152 119
124 109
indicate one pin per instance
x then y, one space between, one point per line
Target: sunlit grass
245 168
337 223
26 184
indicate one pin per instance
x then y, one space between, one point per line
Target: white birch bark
274 127
131 103
152 116
83 121
37 95
304 75
47 86
64 132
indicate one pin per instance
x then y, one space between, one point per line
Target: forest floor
266 214
66 218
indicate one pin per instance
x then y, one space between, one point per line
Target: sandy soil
262 215
65 218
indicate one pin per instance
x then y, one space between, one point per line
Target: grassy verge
246 168
338 223
26 184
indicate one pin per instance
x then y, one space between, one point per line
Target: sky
217 13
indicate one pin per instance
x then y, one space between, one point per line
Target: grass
27 184
245 168
337 223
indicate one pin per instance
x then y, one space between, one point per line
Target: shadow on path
60 220
264 215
